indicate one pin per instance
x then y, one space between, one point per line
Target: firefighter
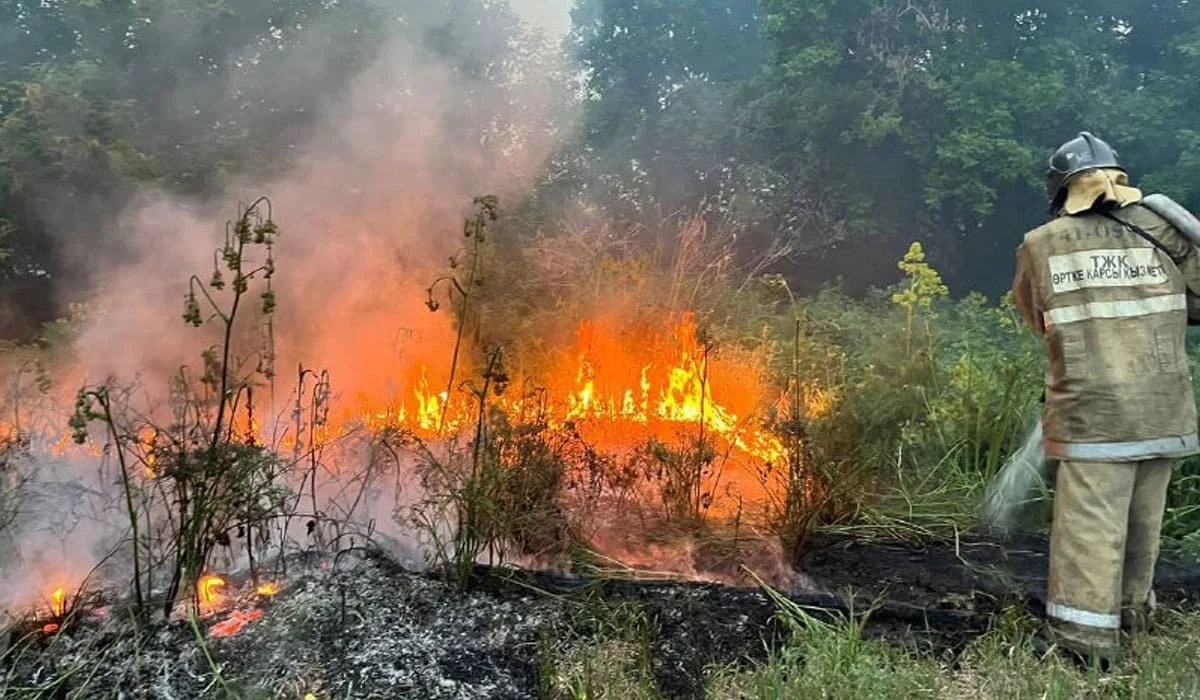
1107 284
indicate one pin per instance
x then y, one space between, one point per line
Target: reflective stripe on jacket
1113 312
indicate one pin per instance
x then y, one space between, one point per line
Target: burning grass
621 385
600 415
516 454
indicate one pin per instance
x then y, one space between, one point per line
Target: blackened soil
367 628
936 596
967 575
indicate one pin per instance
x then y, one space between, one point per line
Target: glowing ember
234 623
209 589
267 589
50 628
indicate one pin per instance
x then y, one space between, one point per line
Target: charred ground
363 626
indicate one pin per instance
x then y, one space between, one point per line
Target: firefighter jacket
1113 310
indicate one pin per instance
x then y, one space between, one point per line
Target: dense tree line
835 131
850 127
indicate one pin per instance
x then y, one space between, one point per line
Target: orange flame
57 602
267 589
618 384
631 376
208 588
58 608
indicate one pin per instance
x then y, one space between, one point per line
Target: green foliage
830 660
924 283
902 420
920 418
864 120
825 660
614 660
497 492
1181 522
100 102
680 473
534 463
200 480
495 496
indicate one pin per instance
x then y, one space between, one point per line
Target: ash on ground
363 629
362 626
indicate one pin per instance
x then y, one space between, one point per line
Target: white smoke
369 214
553 16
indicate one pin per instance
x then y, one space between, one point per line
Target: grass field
838 661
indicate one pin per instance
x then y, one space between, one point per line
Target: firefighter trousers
1104 545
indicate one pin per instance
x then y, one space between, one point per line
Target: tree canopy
851 127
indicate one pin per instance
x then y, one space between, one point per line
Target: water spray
1021 483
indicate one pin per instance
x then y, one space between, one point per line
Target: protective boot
1081 653
1138 619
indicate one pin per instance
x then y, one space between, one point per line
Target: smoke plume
458 100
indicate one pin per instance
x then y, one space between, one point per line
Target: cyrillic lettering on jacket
1122 267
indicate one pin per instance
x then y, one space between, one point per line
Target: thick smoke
370 213
453 106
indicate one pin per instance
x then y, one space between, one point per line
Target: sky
553 15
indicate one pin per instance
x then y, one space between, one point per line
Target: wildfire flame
625 378
267 589
58 602
624 375
57 609
618 383
208 588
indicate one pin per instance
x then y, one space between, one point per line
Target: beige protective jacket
1113 311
